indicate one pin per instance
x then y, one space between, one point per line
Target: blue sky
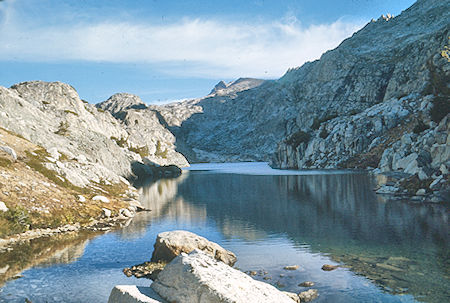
165 50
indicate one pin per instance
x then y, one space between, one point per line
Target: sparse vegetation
5 162
323 133
63 128
297 138
159 151
70 112
440 109
142 151
122 142
15 220
36 163
420 127
317 122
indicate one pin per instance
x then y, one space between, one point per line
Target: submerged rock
309 295
198 277
306 284
170 244
328 267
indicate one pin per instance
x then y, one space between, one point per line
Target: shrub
440 109
420 127
63 128
297 138
323 133
122 142
5 162
142 151
159 151
317 122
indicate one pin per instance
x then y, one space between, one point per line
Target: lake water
389 251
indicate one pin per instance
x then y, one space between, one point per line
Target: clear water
389 251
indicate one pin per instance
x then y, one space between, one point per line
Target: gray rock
421 192
101 199
133 294
170 244
3 207
309 295
9 151
106 212
198 277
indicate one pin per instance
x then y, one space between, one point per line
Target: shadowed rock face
388 59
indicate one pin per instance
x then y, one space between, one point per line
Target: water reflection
59 249
403 247
267 219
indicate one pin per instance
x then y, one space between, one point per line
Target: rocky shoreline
188 268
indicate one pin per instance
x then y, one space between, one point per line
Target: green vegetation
413 184
420 127
440 109
70 112
36 163
297 138
159 151
63 128
15 220
317 122
122 142
5 162
323 133
142 151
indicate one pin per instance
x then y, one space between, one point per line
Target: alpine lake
387 250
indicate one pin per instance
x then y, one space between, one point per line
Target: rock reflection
42 252
401 246
162 198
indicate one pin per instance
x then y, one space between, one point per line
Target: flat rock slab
199 278
133 294
170 244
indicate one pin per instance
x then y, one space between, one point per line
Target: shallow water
389 251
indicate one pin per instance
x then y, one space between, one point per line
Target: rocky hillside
388 59
65 161
85 143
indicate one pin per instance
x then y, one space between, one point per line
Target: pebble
291 267
306 284
328 267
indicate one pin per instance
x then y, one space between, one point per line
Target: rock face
85 144
133 294
386 60
170 244
198 277
146 130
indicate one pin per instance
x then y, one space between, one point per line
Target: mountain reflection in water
270 219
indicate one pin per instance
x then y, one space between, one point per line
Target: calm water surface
389 251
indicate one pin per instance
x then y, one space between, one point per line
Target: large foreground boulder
170 244
133 294
199 278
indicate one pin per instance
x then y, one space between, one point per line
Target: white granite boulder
199 278
170 244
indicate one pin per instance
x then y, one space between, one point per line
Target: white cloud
191 47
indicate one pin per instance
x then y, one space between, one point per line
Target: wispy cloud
190 47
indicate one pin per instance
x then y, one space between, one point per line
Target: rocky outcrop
146 131
198 277
85 144
388 59
133 294
170 244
